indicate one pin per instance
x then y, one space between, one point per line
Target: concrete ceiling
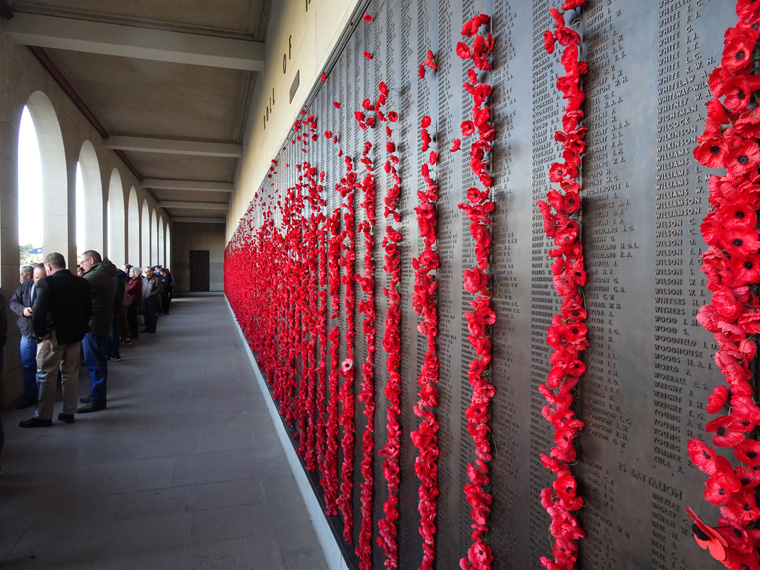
166 82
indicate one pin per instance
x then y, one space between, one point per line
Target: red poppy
712 152
739 242
567 203
745 269
468 127
707 537
566 487
737 55
738 91
367 18
430 60
323 78
476 281
721 485
748 452
748 10
741 508
425 140
727 432
742 158
471 27
737 215
367 54
549 42
717 399
558 171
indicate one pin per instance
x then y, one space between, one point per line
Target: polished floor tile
184 470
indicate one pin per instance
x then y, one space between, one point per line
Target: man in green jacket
99 273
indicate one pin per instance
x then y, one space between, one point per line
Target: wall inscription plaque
649 362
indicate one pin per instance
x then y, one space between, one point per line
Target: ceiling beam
200 220
131 41
173 146
192 185
51 68
194 205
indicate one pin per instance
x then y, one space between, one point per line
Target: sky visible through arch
29 184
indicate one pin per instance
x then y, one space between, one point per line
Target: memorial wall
349 277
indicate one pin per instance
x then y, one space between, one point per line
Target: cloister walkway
183 471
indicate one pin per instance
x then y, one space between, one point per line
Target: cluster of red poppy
329 480
430 61
282 321
278 278
367 392
425 437
309 305
732 266
298 395
567 335
367 306
347 188
321 328
478 210
387 530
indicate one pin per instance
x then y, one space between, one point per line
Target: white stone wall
21 75
301 37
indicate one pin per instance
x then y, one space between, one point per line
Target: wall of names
649 363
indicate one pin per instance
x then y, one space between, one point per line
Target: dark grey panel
649 363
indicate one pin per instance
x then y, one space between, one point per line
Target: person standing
151 292
167 286
99 274
21 304
134 292
114 338
25 273
60 317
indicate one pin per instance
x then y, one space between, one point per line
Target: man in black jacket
60 317
98 272
21 304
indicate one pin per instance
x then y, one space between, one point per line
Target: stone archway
117 251
145 235
133 229
54 209
89 201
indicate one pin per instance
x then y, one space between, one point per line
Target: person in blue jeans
99 273
21 303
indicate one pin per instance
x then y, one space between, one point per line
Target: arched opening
52 210
168 246
89 201
145 235
29 192
116 222
133 229
161 245
153 238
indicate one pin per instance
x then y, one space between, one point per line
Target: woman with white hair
134 292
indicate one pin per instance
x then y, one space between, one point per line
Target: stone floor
183 471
